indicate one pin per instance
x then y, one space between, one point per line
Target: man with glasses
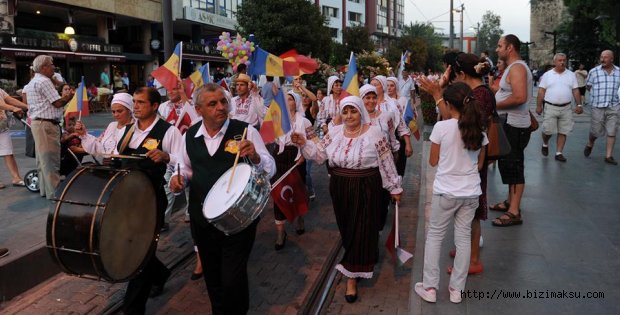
46 110
248 106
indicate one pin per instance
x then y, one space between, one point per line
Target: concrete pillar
102 28
147 34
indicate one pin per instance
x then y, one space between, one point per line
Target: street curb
415 303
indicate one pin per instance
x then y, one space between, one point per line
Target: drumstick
232 174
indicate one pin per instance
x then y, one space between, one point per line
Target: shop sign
208 18
73 44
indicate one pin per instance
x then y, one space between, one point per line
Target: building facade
123 36
545 16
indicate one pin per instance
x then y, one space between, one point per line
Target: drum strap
127 138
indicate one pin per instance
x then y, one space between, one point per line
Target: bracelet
579 105
438 101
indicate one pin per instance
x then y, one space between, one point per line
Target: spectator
125 79
12 106
513 100
603 83
104 78
150 81
581 76
46 111
118 81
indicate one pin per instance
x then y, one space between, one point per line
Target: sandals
19 183
2 186
502 206
512 220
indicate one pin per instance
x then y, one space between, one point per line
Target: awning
79 56
204 58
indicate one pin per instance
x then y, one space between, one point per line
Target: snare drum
103 223
234 211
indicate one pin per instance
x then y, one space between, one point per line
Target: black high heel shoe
301 229
280 246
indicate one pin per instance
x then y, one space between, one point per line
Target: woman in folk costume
361 166
387 104
330 107
286 156
401 102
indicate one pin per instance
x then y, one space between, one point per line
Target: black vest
155 171
207 169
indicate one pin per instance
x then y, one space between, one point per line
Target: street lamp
555 35
527 51
477 29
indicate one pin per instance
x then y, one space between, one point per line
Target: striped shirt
604 91
41 94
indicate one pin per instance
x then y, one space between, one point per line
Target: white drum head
218 200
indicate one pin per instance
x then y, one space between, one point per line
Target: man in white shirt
248 106
179 112
556 90
406 85
207 152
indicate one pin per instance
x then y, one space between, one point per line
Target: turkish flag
290 196
173 119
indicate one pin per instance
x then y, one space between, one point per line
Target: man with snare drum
208 151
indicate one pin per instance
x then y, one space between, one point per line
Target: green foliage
489 33
357 39
280 25
421 41
589 28
372 62
429 110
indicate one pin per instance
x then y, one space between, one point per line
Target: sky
514 14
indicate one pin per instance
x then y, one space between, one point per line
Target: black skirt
357 200
284 161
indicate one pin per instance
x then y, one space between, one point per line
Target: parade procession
227 157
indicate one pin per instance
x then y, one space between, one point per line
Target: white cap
124 99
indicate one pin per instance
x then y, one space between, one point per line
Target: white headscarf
356 102
367 88
123 99
393 79
330 83
299 107
383 80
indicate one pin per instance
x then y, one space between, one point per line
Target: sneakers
428 295
312 196
544 150
560 157
455 295
587 151
610 160
4 252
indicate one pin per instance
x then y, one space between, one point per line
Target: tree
589 28
489 33
357 39
280 25
425 47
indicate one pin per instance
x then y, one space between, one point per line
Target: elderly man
46 110
156 139
555 92
248 106
205 155
603 83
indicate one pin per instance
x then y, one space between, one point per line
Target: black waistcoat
207 169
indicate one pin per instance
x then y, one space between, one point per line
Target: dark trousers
225 265
139 288
401 162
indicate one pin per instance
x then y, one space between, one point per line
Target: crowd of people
190 141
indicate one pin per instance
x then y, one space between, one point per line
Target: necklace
358 131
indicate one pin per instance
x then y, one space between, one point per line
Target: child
456 149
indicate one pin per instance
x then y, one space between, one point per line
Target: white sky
515 14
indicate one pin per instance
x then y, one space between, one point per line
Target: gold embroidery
150 144
231 146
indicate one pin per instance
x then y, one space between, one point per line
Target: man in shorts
555 92
603 83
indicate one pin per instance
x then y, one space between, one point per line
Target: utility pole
451 36
166 9
462 9
555 35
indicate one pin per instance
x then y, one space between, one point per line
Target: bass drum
104 223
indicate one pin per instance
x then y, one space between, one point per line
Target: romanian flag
271 65
201 76
78 106
277 121
351 84
168 73
411 119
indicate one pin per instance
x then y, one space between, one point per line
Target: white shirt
405 87
558 86
457 170
267 163
250 110
187 108
171 142
41 94
106 143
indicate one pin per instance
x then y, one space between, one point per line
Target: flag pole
78 101
277 182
